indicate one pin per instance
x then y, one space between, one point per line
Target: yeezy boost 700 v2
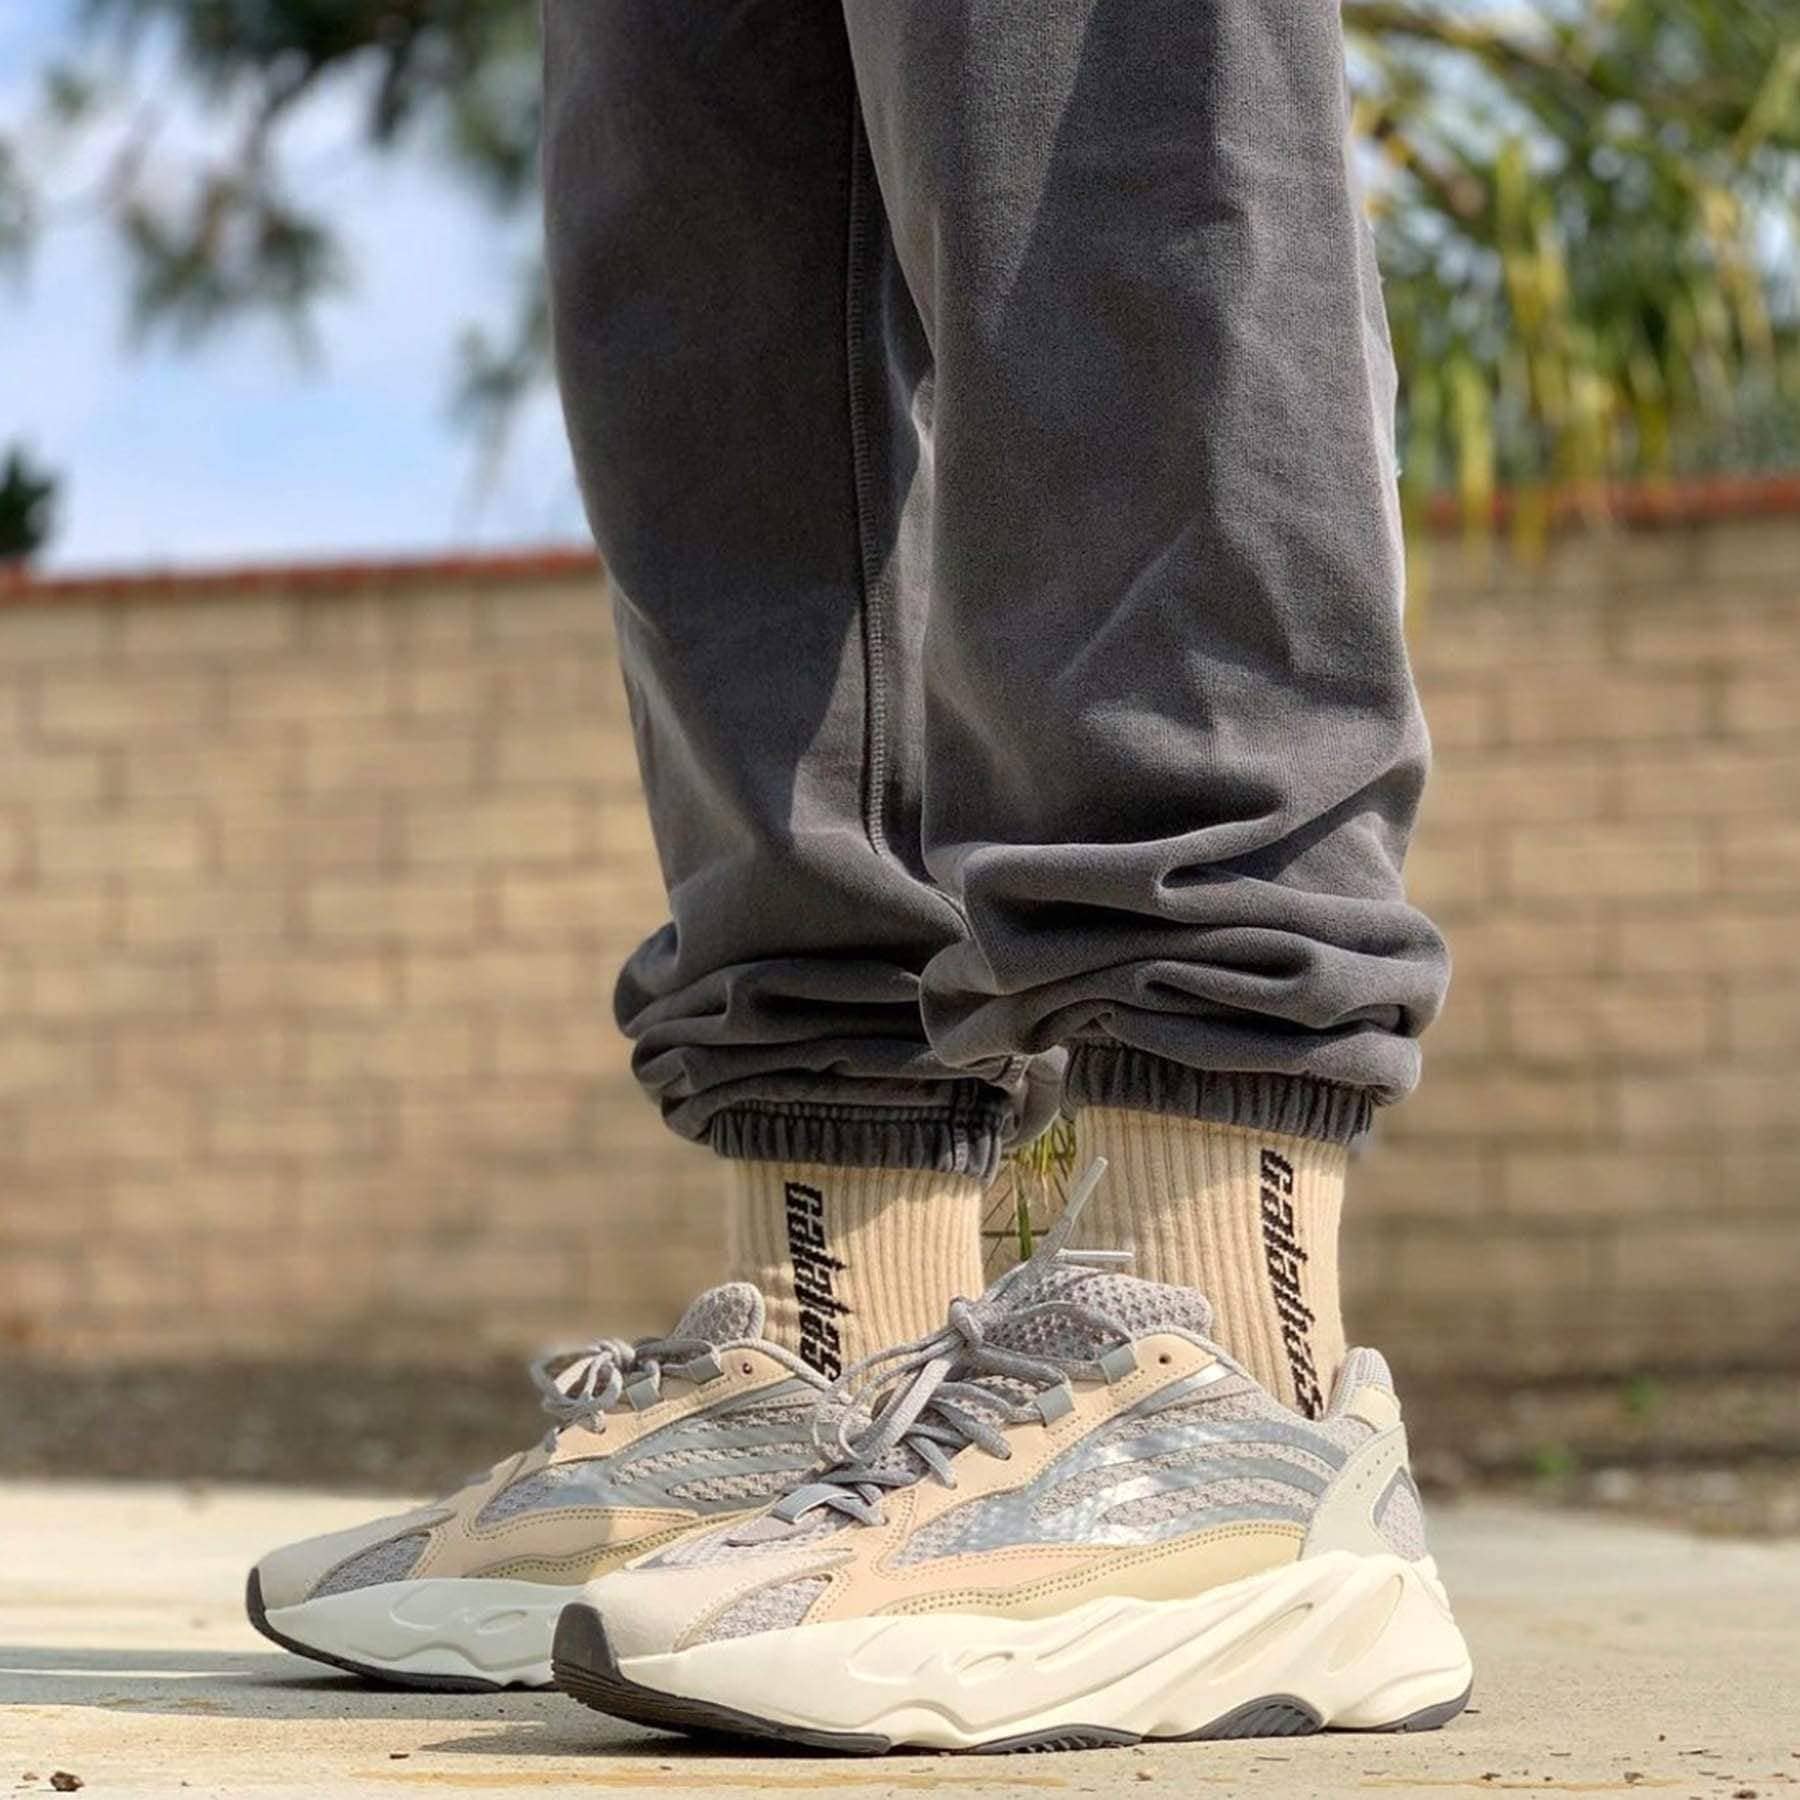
652 1441
1072 1520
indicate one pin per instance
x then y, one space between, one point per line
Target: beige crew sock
1250 1218
852 1261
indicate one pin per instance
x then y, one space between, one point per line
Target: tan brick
1754 629
1586 1022
1762 1017
57 631
572 1043
215 626
15 847
1642 861
308 692
1427 1181
249 770
573 751
361 624
115 985
141 1127
536 1120
1719 938
172 913
417 910
1464 1031
1539 941
41 1290
525 828
60 917
1461 715
251 978
324 835
198 1052
1524 631
444 688
1709 780
431 1047
53 777
1703 1104
238 1205
507 979
578 906
264 1124
394 758
1508 787
1595 705
1733 1256
33 1062
1450 870
1503 1102
1763 856
1478 1262
1758 1177
558 612
127 704
435 619
1764 702
1578 1183
83 841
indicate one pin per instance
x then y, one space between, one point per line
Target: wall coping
1639 506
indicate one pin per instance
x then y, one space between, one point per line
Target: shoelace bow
925 1396
580 1386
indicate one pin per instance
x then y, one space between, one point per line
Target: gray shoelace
580 1386
930 1397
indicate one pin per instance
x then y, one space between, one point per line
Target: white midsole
1365 1641
493 1630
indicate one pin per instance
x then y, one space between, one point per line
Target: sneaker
1068 1520
651 1440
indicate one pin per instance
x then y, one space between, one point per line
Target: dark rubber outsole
378 1677
583 1666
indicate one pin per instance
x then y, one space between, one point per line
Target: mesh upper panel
392 1561
1401 1519
768 1609
760 1536
548 1487
729 1314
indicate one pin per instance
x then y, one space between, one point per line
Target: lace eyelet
1165 1359
746 1368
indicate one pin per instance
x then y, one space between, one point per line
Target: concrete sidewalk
1609 1659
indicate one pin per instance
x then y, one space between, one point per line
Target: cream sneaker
652 1439
1071 1520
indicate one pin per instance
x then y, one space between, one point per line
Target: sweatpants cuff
1296 1105
962 1136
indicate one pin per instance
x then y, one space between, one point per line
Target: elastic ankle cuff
1296 1105
963 1136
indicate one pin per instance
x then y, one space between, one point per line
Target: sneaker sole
374 1608
584 1666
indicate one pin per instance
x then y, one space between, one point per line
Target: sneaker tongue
723 1315
1137 1306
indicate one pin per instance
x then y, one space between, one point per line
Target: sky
240 449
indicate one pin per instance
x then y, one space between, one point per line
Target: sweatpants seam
875 750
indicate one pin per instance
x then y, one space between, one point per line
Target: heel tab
1365 1390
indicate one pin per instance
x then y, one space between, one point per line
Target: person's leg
1173 750
733 345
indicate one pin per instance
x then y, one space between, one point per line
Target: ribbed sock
1248 1217
852 1261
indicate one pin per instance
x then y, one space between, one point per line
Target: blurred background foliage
1587 210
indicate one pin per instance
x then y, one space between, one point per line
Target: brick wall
312 885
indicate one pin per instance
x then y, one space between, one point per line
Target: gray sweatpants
984 408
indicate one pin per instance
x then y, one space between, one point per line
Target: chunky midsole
1365 1641
493 1630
